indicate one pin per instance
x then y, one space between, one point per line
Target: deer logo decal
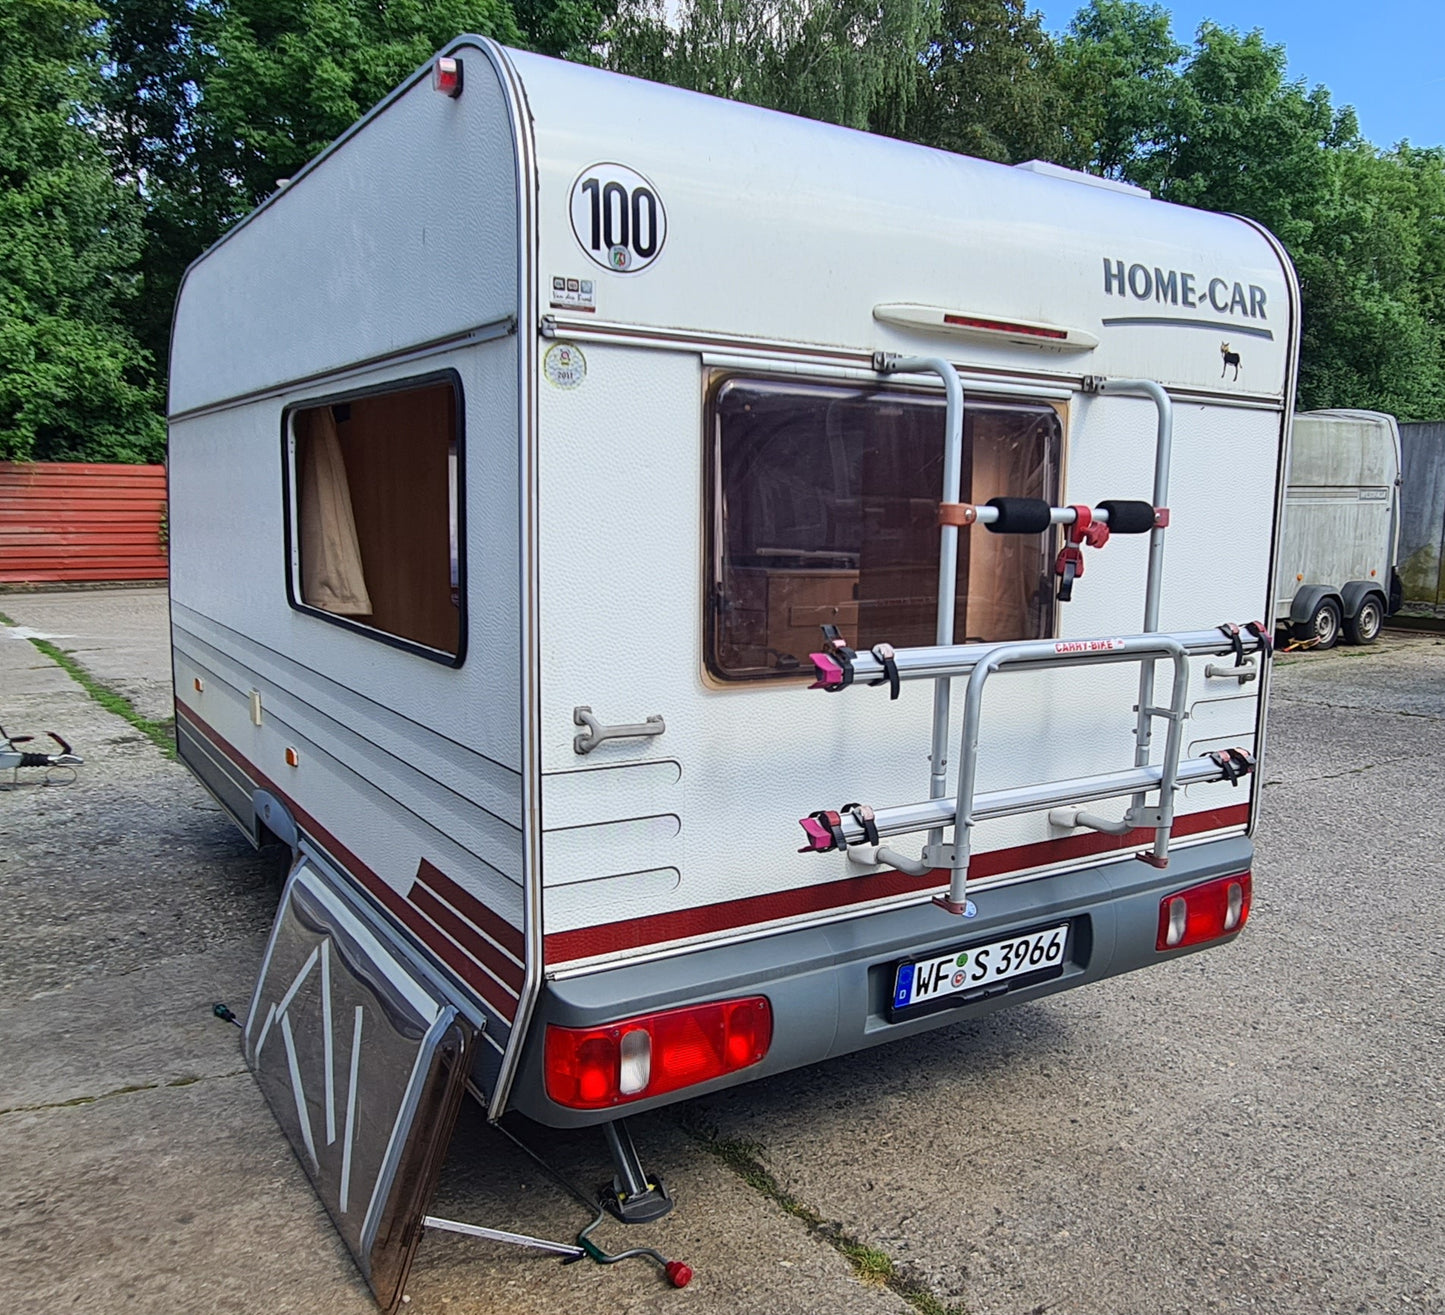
1230 358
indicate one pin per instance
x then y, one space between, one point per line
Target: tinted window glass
825 510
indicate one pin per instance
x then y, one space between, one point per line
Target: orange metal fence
71 521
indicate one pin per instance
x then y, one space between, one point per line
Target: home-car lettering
1176 287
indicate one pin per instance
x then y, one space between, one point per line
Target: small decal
564 365
962 959
617 217
573 294
1230 358
970 909
1088 645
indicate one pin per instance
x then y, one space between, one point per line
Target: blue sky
1385 59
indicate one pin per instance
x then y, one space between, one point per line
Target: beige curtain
331 573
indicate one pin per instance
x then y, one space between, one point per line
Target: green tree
74 382
1118 75
850 62
987 85
291 75
157 62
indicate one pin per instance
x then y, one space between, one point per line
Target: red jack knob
678 1274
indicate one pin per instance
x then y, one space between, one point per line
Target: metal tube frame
1144 648
984 661
906 819
947 552
1163 452
929 663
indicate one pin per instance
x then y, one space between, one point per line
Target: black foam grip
1129 517
1021 515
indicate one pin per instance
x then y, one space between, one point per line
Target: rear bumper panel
830 986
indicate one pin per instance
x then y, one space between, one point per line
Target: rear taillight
590 1068
1204 913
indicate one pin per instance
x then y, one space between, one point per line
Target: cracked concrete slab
140 1169
1255 1128
119 635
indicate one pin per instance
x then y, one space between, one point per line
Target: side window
374 513
825 510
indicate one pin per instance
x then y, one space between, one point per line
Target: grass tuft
161 733
870 1265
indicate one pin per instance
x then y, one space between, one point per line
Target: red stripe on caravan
637 933
466 936
431 934
507 936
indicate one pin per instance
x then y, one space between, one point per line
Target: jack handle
677 1272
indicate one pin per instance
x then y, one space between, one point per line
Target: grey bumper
830 986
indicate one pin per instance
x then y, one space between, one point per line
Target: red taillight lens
590 1068
1204 913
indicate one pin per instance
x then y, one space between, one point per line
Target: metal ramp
839 667
364 1064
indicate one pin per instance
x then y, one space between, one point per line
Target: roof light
970 324
446 76
597 1067
1204 913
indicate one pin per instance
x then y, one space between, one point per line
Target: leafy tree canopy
74 383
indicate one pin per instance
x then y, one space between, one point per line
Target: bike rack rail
838 667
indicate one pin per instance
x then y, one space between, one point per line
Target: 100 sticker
617 217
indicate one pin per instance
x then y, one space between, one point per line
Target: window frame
713 547
290 510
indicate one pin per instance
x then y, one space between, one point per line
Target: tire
1324 625
1364 627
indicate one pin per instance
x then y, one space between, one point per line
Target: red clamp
1086 529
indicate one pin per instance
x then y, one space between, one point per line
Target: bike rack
838 666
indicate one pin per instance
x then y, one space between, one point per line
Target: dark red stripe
636 933
466 936
430 934
499 929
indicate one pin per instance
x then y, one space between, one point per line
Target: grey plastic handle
596 732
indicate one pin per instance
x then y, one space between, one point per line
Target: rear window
825 510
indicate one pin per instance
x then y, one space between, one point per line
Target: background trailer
1341 536
538 452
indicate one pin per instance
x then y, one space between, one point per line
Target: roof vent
1078 176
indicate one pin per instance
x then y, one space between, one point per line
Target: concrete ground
1253 1129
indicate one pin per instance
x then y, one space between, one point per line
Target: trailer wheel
1364 627
1324 625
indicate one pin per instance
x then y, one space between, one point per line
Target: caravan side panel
390 263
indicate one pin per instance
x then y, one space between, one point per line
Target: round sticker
618 218
564 365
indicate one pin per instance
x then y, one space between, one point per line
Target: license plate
980 967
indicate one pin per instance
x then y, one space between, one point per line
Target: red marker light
446 76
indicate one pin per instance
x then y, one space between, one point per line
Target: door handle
596 732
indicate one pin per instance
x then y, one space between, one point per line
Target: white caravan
1341 535
577 483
